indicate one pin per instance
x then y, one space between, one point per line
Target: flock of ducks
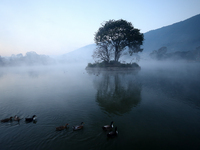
77 127
109 127
16 118
105 128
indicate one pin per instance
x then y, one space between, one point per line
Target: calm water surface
157 107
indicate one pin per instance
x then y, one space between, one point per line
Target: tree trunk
116 53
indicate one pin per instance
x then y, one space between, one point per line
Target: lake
157 107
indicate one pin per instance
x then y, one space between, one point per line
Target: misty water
157 107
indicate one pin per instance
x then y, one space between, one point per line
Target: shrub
105 64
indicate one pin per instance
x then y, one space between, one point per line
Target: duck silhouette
7 119
78 127
16 118
31 119
113 133
61 127
108 127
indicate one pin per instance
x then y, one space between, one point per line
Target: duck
7 119
113 133
78 127
16 118
108 127
61 127
31 119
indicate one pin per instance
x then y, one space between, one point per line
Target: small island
116 38
114 66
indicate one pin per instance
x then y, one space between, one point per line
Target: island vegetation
105 64
114 39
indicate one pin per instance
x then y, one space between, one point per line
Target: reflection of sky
180 81
57 27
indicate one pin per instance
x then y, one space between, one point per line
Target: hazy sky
54 27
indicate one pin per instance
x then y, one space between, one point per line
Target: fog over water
157 107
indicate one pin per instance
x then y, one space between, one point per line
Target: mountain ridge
180 36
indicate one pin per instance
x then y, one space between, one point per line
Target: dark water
157 107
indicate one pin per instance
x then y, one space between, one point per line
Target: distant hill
181 36
83 54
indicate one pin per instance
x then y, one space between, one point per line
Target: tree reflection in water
117 92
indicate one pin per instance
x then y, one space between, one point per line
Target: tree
116 36
103 52
159 54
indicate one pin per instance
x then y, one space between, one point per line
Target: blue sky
55 27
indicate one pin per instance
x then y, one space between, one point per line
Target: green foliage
117 36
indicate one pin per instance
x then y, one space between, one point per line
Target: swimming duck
16 118
7 119
31 119
108 127
78 127
113 133
61 127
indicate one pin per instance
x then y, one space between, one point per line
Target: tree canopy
114 36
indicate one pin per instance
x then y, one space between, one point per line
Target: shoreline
113 68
